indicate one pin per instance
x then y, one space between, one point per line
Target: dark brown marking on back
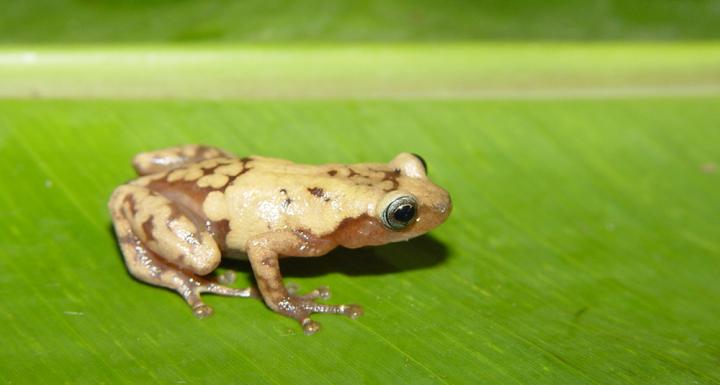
211 169
187 199
317 191
352 173
392 177
244 161
332 172
186 193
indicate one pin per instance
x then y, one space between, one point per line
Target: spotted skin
193 204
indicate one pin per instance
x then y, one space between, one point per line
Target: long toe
202 310
310 326
353 311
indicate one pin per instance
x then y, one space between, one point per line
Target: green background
584 243
61 21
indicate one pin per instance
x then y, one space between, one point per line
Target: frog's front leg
163 247
263 252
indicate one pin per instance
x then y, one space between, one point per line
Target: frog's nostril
442 207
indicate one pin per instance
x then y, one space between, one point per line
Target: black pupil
404 213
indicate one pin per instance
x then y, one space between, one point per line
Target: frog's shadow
420 253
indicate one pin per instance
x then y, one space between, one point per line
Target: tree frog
193 203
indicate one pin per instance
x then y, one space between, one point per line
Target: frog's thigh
147 266
162 227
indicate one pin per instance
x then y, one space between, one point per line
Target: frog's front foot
300 307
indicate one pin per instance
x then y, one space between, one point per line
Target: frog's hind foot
194 286
300 307
214 288
146 266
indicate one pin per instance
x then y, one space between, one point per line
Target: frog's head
411 208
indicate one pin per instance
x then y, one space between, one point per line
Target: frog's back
255 194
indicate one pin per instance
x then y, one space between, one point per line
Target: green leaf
361 70
63 21
582 248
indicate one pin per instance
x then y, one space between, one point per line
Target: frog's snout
444 207
437 213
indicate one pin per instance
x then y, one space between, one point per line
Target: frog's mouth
430 217
366 230
360 231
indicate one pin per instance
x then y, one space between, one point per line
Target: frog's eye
400 212
411 165
424 163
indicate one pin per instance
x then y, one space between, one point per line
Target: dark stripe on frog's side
188 197
219 230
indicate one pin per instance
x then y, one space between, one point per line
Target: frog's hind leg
148 265
166 159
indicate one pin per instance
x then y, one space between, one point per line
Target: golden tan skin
191 204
